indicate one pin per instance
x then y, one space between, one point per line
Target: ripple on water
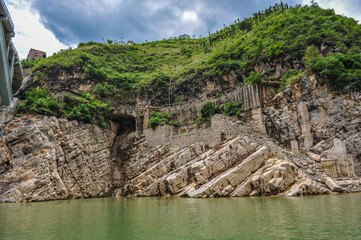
317 217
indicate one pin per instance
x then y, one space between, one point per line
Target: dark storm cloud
74 21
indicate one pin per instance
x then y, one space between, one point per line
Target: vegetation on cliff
277 33
317 39
229 109
84 108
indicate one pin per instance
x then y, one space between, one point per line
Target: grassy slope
276 34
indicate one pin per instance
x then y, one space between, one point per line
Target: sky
51 25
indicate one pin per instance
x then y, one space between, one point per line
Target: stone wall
250 97
222 129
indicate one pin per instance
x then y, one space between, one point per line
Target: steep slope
261 49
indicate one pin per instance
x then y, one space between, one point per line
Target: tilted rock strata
243 166
49 158
46 158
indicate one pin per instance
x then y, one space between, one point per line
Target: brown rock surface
49 158
311 116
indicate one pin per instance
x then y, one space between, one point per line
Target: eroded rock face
308 117
247 165
49 158
44 158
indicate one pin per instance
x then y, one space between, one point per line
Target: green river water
316 217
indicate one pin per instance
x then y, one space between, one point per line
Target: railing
7 13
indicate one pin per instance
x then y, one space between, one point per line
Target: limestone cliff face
305 140
308 117
44 158
249 164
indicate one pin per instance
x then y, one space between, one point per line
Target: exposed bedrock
312 146
308 117
243 166
49 158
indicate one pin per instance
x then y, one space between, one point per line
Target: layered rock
309 117
45 158
49 158
248 165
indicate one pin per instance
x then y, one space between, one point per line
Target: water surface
316 217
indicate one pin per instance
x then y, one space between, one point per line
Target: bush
42 102
84 108
339 70
25 63
186 51
154 122
311 52
208 110
158 118
232 109
224 66
253 78
276 50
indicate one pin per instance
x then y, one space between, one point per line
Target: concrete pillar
146 118
5 81
139 124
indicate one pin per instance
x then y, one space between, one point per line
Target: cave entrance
125 124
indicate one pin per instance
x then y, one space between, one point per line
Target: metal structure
11 73
10 67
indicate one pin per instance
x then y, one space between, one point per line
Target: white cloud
189 16
349 8
29 32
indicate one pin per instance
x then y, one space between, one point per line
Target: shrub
158 118
186 51
311 52
253 78
232 109
174 123
84 108
208 110
25 63
276 50
40 101
339 70
154 122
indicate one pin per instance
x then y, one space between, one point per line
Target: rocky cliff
309 116
44 158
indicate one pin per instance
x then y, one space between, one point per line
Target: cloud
349 8
85 20
29 32
189 16
53 24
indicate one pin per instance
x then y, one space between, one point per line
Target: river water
315 217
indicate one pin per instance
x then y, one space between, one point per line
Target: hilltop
271 47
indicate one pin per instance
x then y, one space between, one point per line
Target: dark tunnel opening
126 124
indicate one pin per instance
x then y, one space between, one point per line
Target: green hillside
317 39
